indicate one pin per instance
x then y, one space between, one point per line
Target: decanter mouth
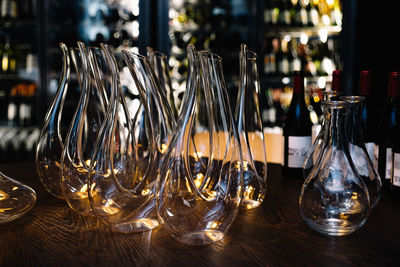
335 104
210 55
353 98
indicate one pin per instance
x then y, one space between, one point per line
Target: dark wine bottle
296 131
394 84
368 118
389 120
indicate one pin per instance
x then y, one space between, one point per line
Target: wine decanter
50 143
122 182
158 62
81 137
249 127
358 151
334 199
315 150
16 199
202 176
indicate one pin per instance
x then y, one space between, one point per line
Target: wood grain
51 234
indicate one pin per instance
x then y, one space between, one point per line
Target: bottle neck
335 126
354 126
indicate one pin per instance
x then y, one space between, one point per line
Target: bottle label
370 146
376 156
388 163
396 169
298 147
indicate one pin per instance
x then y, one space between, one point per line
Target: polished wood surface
274 234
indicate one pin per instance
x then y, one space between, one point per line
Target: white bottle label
396 169
388 162
371 150
298 147
376 155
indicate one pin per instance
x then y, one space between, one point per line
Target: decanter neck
335 118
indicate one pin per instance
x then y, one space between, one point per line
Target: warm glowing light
3 195
145 192
163 148
213 225
199 179
303 38
15 188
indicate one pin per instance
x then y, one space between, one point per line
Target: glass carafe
334 199
202 177
122 182
249 127
158 62
16 199
315 150
82 135
358 151
50 143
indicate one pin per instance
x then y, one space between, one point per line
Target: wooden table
51 234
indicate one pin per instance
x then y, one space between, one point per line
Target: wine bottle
394 85
284 18
296 131
368 121
389 120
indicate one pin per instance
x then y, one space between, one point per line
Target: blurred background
313 36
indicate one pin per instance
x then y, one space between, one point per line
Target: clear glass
358 151
334 199
202 175
50 143
16 199
123 177
249 127
82 135
158 62
315 150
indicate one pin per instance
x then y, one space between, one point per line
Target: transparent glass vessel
249 127
316 148
358 151
158 62
123 177
82 135
50 143
202 175
334 199
16 199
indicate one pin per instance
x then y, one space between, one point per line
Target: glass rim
210 55
334 103
353 98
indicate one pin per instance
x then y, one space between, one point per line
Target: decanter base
200 238
136 226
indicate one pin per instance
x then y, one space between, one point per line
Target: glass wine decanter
334 199
315 150
158 62
16 199
122 183
249 127
202 175
50 144
82 135
358 151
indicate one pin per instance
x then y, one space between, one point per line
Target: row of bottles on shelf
274 103
303 13
16 57
17 9
17 105
114 22
285 56
379 135
18 143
